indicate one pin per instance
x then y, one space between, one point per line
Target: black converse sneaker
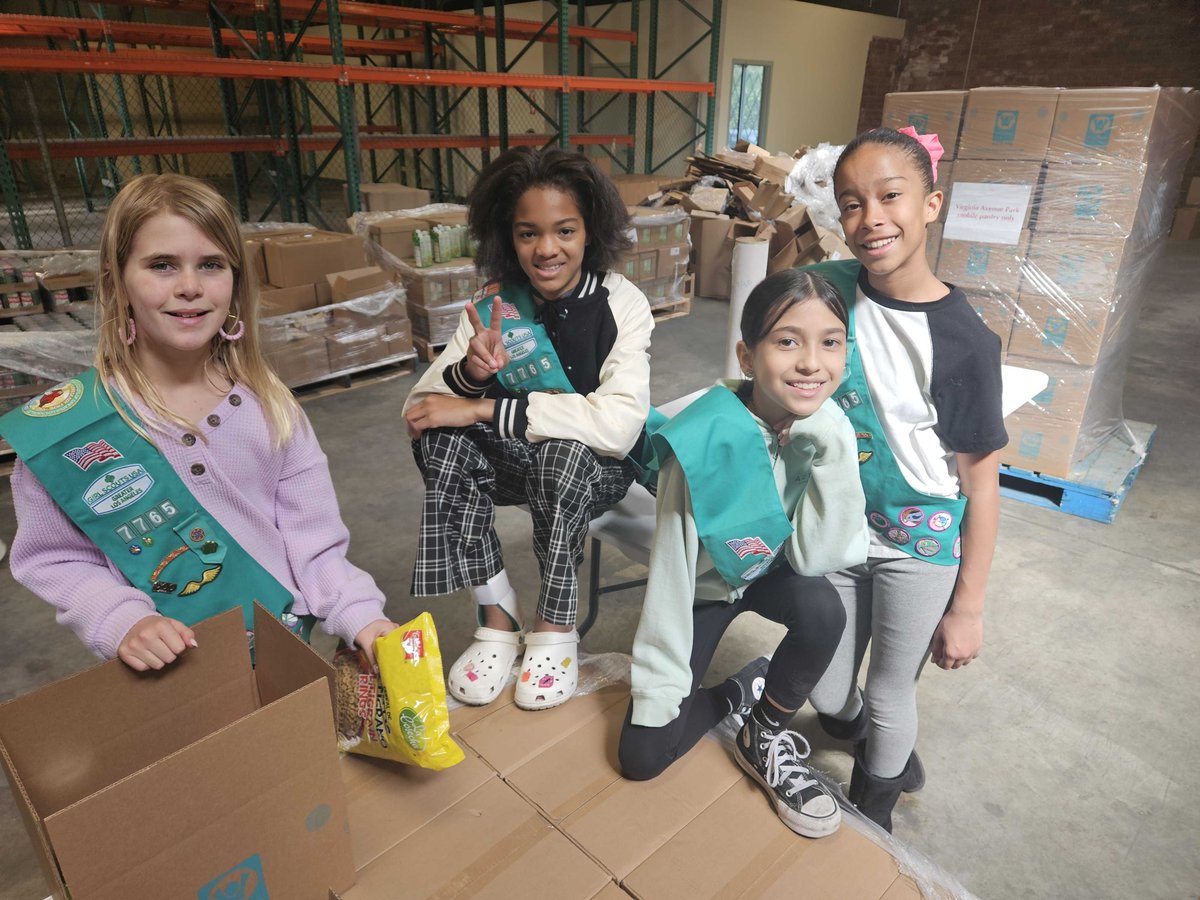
771 759
748 684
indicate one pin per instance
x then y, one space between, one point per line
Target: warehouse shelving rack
411 92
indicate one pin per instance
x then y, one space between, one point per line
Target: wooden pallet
426 350
366 376
674 310
1098 485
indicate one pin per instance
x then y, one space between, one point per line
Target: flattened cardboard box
184 782
539 810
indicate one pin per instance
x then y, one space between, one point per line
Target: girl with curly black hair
539 399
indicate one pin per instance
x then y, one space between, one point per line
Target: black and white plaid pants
469 471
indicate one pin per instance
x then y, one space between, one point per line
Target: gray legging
895 604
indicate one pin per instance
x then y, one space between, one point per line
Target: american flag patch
91 453
743 547
508 311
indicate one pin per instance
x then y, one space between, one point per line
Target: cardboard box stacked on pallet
1186 226
1056 213
658 262
324 311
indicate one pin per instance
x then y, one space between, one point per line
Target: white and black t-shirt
934 374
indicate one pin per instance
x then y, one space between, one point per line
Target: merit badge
91 453
897 536
55 401
940 521
912 516
957 551
757 569
878 520
863 435
864 455
197 534
927 547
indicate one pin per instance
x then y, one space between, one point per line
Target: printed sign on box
989 213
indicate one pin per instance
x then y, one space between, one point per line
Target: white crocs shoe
483 669
550 669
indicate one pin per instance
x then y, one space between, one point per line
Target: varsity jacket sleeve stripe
460 382
610 419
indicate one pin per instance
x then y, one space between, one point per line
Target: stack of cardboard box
384 196
1186 226
658 262
1055 211
324 311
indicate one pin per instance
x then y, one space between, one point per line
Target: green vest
124 495
533 363
922 525
735 501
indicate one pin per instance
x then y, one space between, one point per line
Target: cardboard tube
749 268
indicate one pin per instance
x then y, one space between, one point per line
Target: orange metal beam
182 35
95 147
145 62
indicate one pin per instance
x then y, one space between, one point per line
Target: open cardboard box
538 809
184 782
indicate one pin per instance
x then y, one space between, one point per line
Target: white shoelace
783 764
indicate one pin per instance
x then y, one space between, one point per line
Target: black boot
873 796
855 731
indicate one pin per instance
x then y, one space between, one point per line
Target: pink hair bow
930 142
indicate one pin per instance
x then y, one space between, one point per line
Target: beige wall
818 56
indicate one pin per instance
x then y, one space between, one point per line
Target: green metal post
714 53
296 164
287 188
501 66
73 130
634 23
241 179
347 113
564 66
12 199
480 93
122 103
651 65
60 213
434 125
581 66
368 110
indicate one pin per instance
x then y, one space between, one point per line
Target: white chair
629 526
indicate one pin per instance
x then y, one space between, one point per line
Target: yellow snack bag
401 713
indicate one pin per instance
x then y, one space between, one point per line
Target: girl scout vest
124 495
735 501
533 363
923 526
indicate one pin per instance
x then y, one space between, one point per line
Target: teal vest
923 526
125 496
735 502
533 363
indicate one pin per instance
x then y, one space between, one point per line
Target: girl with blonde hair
178 478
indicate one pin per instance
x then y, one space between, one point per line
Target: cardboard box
997 310
306 258
1186 226
297 356
1082 198
774 169
356 282
356 348
275 301
1193 194
1007 123
1111 124
712 199
1066 394
380 197
978 171
538 801
397 334
939 112
19 294
944 182
246 756
712 251
1080 269
636 188
1060 330
933 244
436 326
451 217
672 260
994 267
1041 443
647 266
395 234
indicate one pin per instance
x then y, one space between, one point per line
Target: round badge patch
927 547
940 521
878 520
957 551
55 401
197 534
897 536
912 516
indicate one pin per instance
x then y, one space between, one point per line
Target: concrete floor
1059 763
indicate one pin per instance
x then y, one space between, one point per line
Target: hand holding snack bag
399 714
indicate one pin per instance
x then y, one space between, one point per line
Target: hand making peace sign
485 353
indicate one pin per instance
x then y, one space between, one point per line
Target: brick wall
881 71
954 44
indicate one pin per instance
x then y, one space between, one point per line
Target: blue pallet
1097 486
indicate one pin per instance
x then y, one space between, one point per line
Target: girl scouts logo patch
55 401
519 342
927 547
940 521
117 488
912 516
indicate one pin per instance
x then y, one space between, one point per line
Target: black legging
814 616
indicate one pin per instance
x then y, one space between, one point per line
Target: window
748 102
